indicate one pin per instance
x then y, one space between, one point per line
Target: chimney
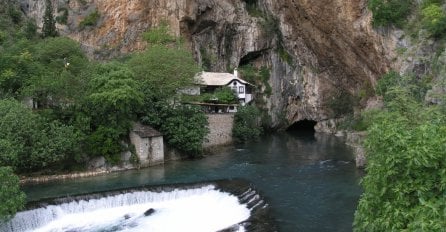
236 73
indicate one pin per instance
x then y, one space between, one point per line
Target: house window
241 89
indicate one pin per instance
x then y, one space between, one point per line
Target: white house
210 81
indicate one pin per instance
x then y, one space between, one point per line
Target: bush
63 17
185 128
90 20
434 20
28 142
159 35
225 95
246 127
341 103
12 198
390 12
406 173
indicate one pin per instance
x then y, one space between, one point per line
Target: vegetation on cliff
405 185
406 173
413 15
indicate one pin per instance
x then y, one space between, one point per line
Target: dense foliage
386 12
58 109
185 127
90 20
246 125
405 185
12 199
413 15
29 142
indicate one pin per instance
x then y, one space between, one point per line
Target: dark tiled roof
145 131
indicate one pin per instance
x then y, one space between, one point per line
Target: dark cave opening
303 126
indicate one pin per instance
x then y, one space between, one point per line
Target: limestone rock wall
313 49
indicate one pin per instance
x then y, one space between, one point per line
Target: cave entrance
303 126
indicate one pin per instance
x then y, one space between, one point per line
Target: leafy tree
406 173
29 142
61 72
224 95
185 128
159 35
17 65
341 102
162 70
49 23
90 20
113 100
434 19
405 182
12 198
246 126
388 12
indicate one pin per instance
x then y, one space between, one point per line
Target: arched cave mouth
303 126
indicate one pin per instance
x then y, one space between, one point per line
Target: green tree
49 23
159 35
30 142
246 127
434 19
185 128
163 70
113 101
388 12
406 173
12 198
60 73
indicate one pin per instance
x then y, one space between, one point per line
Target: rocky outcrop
316 51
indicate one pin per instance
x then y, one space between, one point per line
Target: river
309 180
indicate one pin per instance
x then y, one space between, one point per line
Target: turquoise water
309 181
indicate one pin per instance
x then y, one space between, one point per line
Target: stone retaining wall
220 130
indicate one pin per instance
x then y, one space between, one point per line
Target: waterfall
199 209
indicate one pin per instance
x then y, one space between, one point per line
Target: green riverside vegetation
405 184
58 109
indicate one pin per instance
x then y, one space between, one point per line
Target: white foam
202 209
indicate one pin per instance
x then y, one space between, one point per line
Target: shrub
12 198
405 183
389 12
159 35
63 17
225 95
246 127
341 102
90 20
434 20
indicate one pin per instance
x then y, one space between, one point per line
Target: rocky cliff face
316 51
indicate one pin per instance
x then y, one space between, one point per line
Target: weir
216 206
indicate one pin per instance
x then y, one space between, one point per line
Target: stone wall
150 151
220 130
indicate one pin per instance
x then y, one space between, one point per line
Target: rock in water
149 212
